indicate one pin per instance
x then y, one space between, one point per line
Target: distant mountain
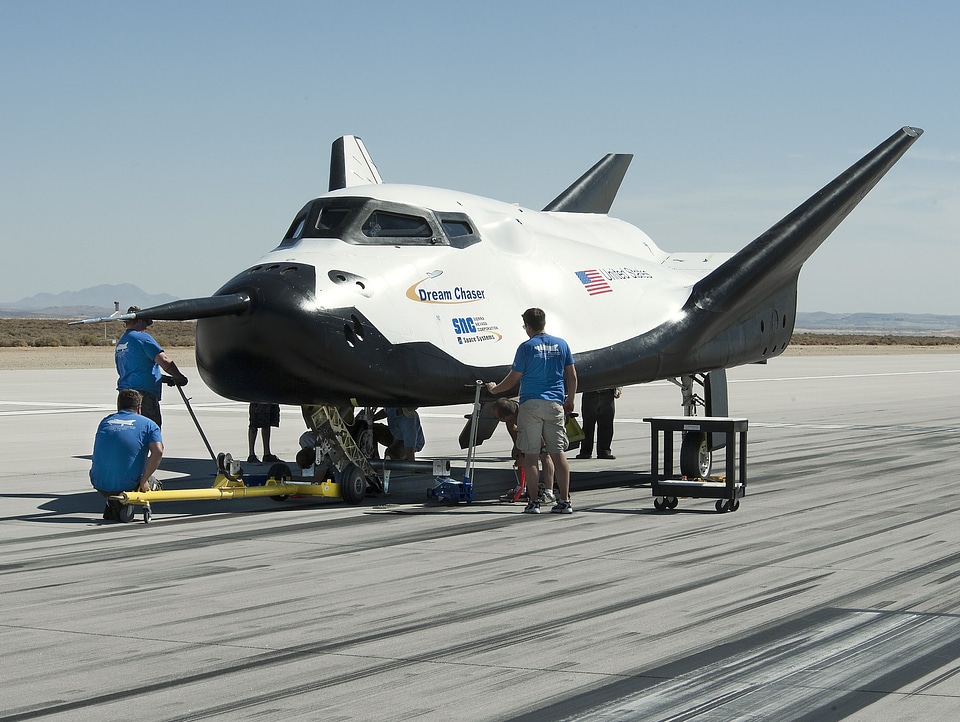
94 301
916 324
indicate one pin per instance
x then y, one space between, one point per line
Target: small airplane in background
402 295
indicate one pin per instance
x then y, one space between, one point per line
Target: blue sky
169 144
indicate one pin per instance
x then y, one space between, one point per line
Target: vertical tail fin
595 190
351 164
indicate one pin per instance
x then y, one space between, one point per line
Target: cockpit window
331 218
375 222
459 229
383 224
455 229
296 228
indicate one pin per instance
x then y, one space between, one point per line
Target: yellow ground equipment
278 484
342 471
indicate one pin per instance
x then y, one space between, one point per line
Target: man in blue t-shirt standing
126 452
139 359
543 365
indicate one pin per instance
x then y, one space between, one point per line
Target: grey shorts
541 419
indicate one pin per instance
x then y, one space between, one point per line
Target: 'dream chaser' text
456 294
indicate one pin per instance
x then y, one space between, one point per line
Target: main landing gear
697 447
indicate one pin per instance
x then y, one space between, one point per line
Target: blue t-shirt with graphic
541 360
135 354
120 450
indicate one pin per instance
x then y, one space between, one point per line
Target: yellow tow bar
225 488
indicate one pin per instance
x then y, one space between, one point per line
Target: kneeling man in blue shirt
126 452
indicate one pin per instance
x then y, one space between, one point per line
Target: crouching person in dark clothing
126 452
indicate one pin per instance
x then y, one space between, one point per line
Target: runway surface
833 593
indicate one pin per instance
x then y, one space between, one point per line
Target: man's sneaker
532 507
562 507
547 496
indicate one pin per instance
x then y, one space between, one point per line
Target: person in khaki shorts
543 365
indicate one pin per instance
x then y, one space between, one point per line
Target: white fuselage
599 279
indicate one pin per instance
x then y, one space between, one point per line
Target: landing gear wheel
353 484
720 505
125 513
671 502
659 503
280 472
695 456
733 505
368 444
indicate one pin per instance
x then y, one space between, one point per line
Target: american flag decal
593 282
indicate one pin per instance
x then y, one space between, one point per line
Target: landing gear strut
695 456
348 464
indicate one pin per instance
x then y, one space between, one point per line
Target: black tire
719 506
280 472
659 505
672 502
695 456
353 484
125 513
367 443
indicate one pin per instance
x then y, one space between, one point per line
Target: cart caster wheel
125 514
720 506
147 515
659 504
672 502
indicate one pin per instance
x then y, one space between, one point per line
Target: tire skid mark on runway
463 649
459 649
802 667
452 653
818 656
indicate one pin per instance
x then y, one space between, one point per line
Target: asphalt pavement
832 593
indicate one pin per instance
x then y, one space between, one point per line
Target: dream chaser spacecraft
402 295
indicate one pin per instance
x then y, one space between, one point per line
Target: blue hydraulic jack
450 490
